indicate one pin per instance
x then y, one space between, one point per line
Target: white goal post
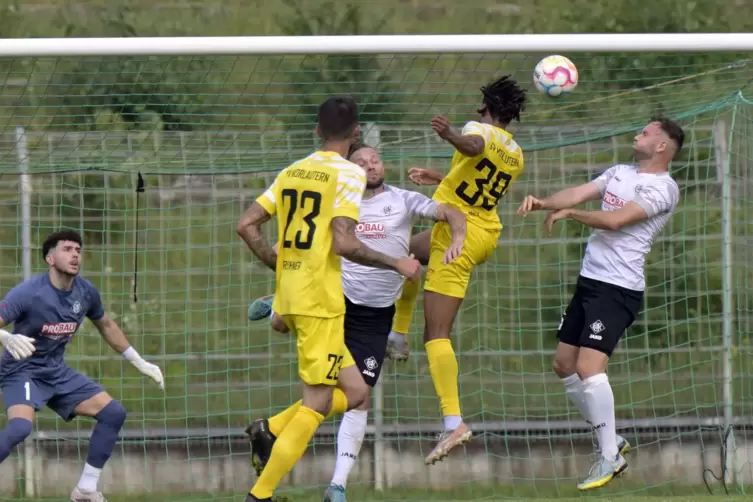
375 44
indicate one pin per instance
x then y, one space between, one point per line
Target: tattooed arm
347 245
249 228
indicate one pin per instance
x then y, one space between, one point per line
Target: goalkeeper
385 221
46 312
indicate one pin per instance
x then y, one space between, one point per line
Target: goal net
154 158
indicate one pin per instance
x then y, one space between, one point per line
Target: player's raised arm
569 197
469 142
654 199
249 226
115 338
424 176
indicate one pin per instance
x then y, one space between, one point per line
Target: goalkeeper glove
18 346
147 369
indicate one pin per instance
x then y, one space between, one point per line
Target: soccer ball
555 76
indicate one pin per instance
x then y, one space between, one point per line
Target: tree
362 77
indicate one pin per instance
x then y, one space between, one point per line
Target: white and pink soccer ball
555 76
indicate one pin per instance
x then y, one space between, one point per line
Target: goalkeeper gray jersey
618 256
384 225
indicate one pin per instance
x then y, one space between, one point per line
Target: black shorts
598 315
366 333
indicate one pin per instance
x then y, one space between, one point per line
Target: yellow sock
278 422
288 449
443 366
405 306
339 403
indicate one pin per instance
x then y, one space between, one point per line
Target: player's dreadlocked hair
504 100
52 240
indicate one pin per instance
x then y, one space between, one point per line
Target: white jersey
618 256
384 225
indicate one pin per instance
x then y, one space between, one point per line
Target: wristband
131 355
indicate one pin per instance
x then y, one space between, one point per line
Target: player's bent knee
364 406
317 397
278 324
353 385
591 362
114 414
21 411
420 246
563 368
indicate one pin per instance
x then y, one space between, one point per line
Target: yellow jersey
474 185
306 197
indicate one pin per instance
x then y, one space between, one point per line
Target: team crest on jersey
387 210
371 231
58 329
76 307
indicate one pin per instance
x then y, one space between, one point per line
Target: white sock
398 338
89 479
350 436
574 390
452 422
600 403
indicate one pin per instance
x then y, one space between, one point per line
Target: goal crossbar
378 44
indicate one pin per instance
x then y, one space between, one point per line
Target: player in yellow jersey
317 202
487 160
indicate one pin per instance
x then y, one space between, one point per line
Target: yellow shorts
452 280
321 347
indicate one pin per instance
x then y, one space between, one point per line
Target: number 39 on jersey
488 189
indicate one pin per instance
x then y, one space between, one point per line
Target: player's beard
65 273
374 185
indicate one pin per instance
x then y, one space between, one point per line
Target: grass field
472 493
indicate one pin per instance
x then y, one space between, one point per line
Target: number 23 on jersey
303 208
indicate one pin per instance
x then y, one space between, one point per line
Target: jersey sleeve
478 129
96 309
603 179
419 204
16 303
351 184
268 200
658 197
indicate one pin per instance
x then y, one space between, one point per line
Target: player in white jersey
385 223
636 204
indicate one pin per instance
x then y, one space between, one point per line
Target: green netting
208 133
